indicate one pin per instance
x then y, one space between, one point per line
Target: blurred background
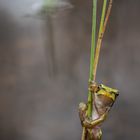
44 69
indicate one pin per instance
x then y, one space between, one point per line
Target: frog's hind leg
99 135
90 135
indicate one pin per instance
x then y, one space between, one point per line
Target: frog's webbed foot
93 87
82 106
98 134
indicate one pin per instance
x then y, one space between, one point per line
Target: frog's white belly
95 114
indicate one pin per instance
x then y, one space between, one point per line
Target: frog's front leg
90 132
82 114
90 124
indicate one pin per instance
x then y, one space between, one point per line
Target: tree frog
104 98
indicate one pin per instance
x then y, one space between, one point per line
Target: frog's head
105 98
108 92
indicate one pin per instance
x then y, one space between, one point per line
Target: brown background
44 69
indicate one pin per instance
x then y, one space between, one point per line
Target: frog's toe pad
82 106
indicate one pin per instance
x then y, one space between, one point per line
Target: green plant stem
93 45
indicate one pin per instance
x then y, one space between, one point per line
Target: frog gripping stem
100 97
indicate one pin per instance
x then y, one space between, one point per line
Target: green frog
104 98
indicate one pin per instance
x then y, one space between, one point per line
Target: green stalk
93 45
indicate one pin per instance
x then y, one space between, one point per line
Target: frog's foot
82 111
98 135
82 107
93 87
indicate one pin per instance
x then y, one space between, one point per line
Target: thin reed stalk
93 45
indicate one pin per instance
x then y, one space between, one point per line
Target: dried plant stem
102 29
107 15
